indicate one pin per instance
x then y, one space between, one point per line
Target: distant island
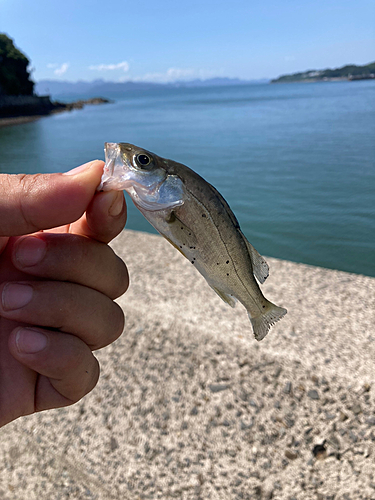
350 72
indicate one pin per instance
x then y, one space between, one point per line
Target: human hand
56 286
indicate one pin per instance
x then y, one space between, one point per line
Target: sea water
296 162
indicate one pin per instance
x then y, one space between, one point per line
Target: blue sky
164 40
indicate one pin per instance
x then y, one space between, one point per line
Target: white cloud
110 67
62 69
175 74
178 73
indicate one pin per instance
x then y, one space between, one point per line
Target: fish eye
143 160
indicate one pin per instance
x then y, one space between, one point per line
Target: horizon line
57 80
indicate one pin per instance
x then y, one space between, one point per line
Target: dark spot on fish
227 261
180 246
192 262
264 307
227 274
182 228
217 263
189 234
203 215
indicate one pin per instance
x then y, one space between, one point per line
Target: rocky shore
21 109
190 406
80 104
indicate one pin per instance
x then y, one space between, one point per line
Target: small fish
194 217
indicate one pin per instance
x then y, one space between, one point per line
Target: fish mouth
117 169
113 157
150 191
111 151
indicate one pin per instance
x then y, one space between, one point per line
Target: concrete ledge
190 406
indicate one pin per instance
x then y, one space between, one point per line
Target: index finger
30 203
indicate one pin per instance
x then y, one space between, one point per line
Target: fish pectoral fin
229 299
174 245
182 235
260 266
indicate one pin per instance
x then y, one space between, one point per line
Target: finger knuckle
122 278
120 322
29 188
115 324
91 376
87 372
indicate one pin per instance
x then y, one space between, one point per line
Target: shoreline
19 120
190 406
56 107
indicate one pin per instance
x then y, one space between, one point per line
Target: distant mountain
59 87
105 88
349 72
217 82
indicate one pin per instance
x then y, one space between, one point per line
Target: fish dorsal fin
260 266
226 206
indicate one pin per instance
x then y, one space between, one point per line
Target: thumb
30 203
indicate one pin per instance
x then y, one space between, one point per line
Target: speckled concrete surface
190 406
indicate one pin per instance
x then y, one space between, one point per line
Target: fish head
142 175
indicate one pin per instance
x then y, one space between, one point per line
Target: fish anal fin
229 299
260 266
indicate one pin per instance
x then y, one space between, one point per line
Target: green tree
14 77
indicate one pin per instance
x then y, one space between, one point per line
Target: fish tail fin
262 323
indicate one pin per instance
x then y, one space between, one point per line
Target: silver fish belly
193 216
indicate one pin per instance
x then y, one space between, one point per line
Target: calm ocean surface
296 162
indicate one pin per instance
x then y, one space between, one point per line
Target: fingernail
117 205
30 341
16 296
80 169
29 251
